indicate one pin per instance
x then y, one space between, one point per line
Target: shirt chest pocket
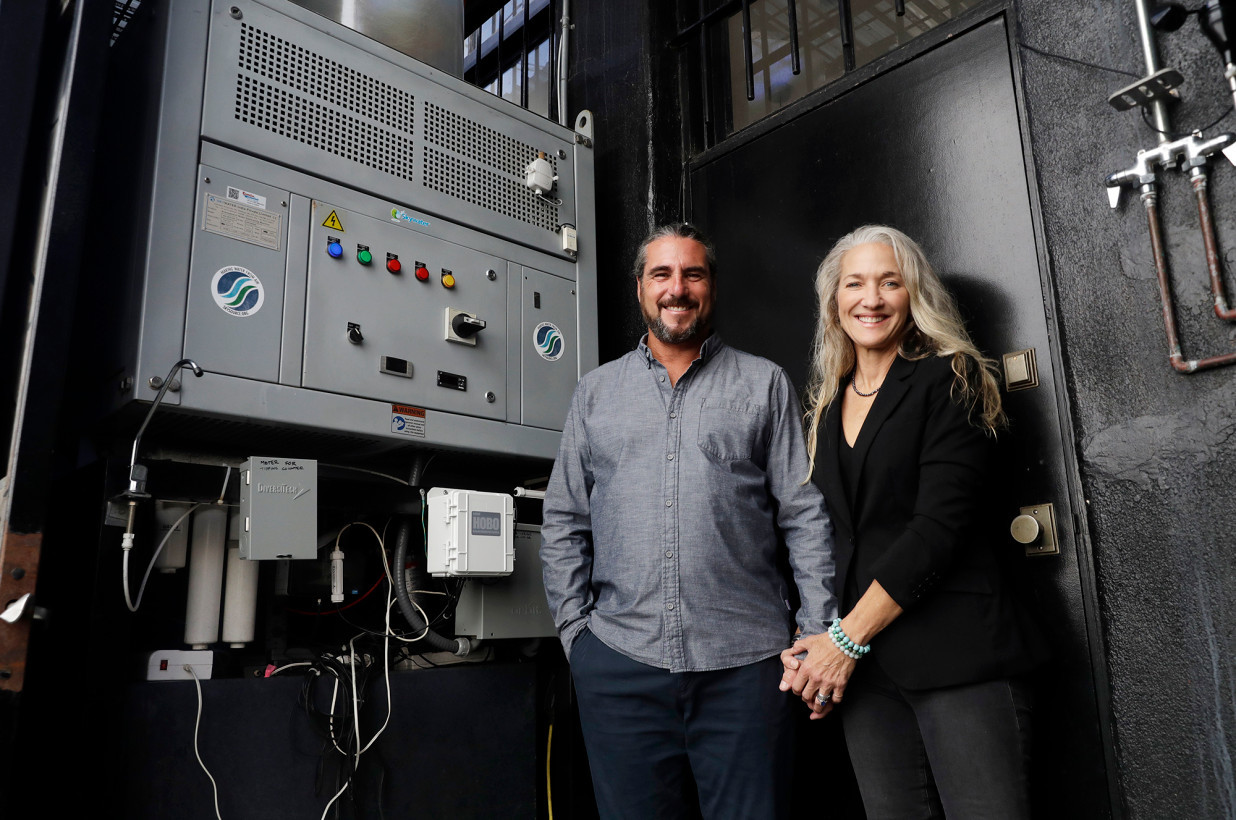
731 432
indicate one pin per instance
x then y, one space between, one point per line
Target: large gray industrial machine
352 244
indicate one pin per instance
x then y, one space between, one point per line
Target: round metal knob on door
1025 529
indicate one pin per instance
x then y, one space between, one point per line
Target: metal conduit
1158 108
796 65
746 49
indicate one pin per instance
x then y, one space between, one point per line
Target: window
834 37
508 53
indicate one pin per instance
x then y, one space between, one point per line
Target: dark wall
623 72
1155 446
933 146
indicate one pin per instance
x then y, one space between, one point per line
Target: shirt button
670 456
662 378
669 606
669 503
669 553
673 415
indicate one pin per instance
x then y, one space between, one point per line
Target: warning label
333 223
408 421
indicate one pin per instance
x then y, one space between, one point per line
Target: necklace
861 393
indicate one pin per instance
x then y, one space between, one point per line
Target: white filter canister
206 555
167 513
239 598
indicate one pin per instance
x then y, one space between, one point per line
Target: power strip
169 664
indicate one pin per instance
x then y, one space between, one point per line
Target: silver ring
822 698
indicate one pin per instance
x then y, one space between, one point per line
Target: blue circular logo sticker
547 339
237 291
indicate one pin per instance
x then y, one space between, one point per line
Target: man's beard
657 327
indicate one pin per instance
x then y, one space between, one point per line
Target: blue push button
334 249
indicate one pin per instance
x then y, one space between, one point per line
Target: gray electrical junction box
343 239
511 607
278 508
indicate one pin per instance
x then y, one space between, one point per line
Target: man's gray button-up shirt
674 510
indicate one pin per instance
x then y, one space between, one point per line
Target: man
676 495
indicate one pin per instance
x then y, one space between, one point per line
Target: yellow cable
549 790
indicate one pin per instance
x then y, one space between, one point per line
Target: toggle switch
462 327
354 333
467 326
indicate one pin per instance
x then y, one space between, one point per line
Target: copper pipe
1150 199
1213 266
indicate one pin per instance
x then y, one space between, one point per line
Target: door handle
1035 529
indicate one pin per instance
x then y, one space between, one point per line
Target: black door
932 146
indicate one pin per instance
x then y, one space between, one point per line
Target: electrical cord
370 472
1086 63
214 787
340 724
549 781
335 726
1179 134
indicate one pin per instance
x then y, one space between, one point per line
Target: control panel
428 326
351 245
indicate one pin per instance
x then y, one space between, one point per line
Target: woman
901 411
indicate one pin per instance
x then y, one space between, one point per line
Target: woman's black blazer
917 526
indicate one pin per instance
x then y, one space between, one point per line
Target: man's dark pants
648 731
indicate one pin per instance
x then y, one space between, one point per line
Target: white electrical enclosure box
470 533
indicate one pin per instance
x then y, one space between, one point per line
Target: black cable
1028 47
453 591
1176 135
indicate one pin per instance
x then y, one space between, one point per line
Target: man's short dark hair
680 230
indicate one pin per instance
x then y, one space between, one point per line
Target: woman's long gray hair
935 329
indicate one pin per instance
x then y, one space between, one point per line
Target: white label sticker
407 421
548 341
246 198
237 291
226 218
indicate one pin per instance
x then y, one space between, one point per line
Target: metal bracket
583 128
1158 85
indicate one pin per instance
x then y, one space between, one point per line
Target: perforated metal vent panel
315 99
451 175
494 177
310 102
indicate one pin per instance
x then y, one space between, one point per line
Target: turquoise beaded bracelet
843 642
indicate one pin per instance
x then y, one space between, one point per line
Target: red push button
392 263
422 273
